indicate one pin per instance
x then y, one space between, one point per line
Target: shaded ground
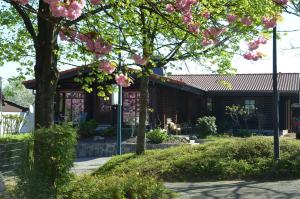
88 165
237 190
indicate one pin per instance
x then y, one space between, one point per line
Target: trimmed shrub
12 150
87 129
48 167
224 159
116 186
157 136
242 133
207 126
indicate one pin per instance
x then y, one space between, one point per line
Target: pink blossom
185 5
262 40
269 22
253 56
213 32
96 2
123 80
231 18
194 28
85 37
246 21
187 17
253 45
206 14
101 47
62 36
58 10
207 42
107 67
22 2
281 2
170 8
138 59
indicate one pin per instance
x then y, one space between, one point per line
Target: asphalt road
237 190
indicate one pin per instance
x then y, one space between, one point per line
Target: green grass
223 159
15 138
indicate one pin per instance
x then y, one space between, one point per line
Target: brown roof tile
287 82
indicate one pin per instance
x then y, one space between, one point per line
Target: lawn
224 159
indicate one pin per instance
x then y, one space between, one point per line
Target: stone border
84 150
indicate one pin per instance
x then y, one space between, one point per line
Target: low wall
93 149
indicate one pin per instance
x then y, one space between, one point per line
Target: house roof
287 82
30 84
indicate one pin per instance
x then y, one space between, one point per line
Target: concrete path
237 190
88 165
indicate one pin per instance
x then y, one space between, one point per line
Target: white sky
288 60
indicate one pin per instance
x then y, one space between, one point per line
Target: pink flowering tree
153 33
161 33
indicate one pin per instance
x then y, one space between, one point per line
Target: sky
288 58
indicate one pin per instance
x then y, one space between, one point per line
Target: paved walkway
237 190
88 165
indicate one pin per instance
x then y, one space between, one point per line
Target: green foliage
87 129
242 133
115 186
207 126
13 149
11 123
224 159
42 176
16 92
15 138
157 136
109 132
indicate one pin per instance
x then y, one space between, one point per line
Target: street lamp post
275 99
119 112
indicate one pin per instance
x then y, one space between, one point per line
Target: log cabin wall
263 118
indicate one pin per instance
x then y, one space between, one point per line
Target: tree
17 93
177 24
156 34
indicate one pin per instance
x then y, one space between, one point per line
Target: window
71 105
250 106
131 107
209 105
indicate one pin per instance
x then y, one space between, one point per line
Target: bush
224 159
115 186
242 133
12 149
157 136
207 126
109 132
87 129
48 167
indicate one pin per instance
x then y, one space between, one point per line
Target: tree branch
27 21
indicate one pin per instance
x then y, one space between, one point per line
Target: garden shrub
157 136
206 126
109 132
12 149
224 159
242 133
114 186
87 129
48 168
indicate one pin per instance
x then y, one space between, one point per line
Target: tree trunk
144 97
46 72
46 75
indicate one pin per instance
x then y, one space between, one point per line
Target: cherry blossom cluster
139 60
253 45
123 80
210 35
281 2
67 9
107 67
269 22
